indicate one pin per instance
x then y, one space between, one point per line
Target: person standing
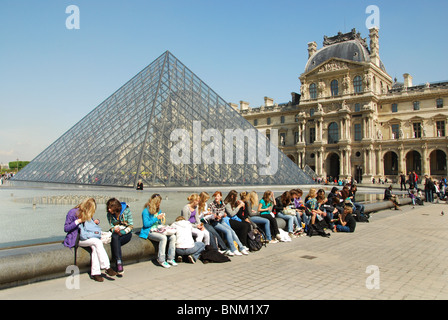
429 186
402 182
411 177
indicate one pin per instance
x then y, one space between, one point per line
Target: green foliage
20 164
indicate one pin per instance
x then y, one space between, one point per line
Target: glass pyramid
165 127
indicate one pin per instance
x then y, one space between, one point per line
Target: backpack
317 229
212 255
255 239
89 229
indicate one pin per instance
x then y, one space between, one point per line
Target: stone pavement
398 255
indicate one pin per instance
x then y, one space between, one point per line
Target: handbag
89 229
165 230
106 237
289 211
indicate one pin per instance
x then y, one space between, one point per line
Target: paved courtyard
398 255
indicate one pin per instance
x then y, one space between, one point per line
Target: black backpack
255 239
212 255
317 229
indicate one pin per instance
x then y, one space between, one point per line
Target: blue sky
51 77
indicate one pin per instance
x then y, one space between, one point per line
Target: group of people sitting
222 225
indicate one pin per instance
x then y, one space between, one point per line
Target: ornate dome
348 46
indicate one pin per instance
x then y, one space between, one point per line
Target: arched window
334 88
333 133
357 84
313 91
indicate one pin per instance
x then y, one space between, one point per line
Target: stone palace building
351 119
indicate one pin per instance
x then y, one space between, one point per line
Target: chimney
244 105
295 98
268 102
407 80
234 106
312 48
374 46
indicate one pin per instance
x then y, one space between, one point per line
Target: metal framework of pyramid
129 137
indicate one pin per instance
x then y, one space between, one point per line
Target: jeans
215 238
341 228
360 207
266 225
162 240
99 258
229 234
195 251
289 220
116 242
429 196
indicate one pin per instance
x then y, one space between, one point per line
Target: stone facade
352 120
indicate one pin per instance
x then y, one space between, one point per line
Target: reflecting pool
35 213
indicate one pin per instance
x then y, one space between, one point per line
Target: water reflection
35 213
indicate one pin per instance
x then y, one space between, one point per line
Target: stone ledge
30 264
43 262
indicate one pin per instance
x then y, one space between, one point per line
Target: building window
296 118
440 128
395 131
311 112
416 105
394 107
357 107
282 139
333 134
268 120
358 132
313 91
312 135
282 119
439 103
296 137
255 122
357 84
334 88
417 126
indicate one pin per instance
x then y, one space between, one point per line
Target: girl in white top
191 212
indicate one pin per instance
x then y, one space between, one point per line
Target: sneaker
191 259
111 272
165 264
237 253
172 262
119 268
229 253
273 241
278 237
245 252
98 278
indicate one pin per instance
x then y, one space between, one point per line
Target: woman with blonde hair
151 217
251 200
191 213
79 222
